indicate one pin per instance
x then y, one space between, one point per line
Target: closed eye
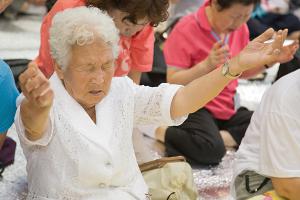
107 65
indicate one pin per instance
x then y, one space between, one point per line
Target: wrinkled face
125 26
88 75
230 19
4 4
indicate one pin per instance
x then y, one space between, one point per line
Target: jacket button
108 164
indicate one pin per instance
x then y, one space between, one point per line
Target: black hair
224 4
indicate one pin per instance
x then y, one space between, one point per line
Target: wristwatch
226 73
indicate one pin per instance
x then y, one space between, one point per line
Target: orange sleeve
142 50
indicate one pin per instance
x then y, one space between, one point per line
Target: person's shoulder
147 30
284 94
185 29
146 34
186 23
3 65
288 84
7 83
4 70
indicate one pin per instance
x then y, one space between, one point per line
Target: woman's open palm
258 53
288 52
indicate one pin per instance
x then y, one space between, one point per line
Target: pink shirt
191 41
135 52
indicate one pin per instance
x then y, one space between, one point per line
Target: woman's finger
41 90
268 34
28 74
34 83
222 51
277 43
218 45
284 34
46 98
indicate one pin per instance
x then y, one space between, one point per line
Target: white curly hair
80 26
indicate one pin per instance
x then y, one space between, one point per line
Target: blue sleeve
8 95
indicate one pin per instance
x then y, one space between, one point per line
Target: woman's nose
99 75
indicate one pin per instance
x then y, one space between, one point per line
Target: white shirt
78 159
271 146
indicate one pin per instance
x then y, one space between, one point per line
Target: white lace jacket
78 159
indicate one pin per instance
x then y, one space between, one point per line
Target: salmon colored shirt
191 41
135 52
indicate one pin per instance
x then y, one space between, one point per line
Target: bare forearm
35 120
184 77
287 187
253 72
199 92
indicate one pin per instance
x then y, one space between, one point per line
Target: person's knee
217 153
201 149
211 154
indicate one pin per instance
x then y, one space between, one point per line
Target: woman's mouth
96 92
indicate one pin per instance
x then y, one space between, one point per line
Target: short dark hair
224 4
155 10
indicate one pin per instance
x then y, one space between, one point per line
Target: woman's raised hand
36 87
258 53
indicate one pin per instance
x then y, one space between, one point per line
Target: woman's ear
59 71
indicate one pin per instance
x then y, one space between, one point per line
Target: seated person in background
76 128
134 19
8 93
269 155
295 7
200 43
274 14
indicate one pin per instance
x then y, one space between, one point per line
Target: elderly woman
76 128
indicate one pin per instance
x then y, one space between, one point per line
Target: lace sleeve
153 105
